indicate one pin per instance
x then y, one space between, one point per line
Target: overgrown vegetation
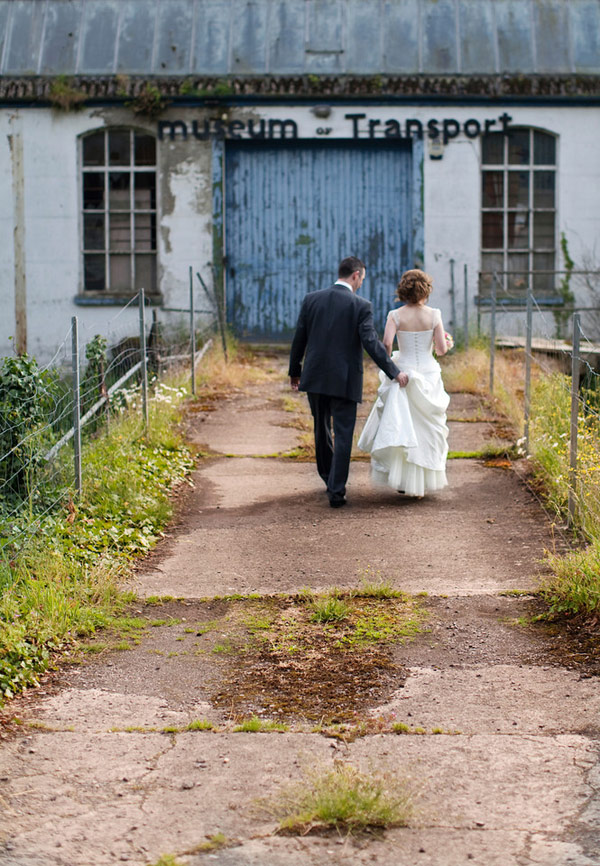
62 581
561 317
574 587
26 397
574 584
62 559
65 95
342 799
148 102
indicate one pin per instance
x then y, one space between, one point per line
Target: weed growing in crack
341 798
254 725
373 585
329 610
200 725
213 843
167 860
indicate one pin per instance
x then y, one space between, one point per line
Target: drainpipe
15 143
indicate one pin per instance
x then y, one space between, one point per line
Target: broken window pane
518 189
492 189
120 273
119 232
145 190
93 231
543 189
492 148
492 236
544 149
119 148
93 149
145 231
518 230
93 190
518 276
543 230
145 149
94 279
119 196
518 147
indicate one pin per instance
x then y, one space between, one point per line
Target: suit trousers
333 452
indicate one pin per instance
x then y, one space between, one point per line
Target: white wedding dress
406 433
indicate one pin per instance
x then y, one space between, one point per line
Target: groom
334 326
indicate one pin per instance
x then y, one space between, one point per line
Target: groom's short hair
349 265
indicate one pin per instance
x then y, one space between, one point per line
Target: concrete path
102 770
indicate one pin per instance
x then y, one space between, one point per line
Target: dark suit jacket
333 327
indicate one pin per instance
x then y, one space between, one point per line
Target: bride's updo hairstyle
414 286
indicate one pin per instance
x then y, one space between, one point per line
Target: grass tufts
167 860
373 585
574 586
329 610
343 799
200 725
254 725
214 842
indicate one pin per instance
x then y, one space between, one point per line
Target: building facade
257 142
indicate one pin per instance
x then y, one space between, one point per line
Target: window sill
93 299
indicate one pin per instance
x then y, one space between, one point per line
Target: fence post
574 416
493 333
144 367
452 295
76 404
528 330
192 333
466 313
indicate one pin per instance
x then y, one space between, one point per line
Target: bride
406 432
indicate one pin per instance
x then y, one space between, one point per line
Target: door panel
294 210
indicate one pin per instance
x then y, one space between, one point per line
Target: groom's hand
294 382
402 379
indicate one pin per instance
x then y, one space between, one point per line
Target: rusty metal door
293 210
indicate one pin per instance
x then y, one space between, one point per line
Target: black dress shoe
337 503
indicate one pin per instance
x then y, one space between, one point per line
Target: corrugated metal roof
291 37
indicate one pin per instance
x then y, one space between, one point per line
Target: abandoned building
257 142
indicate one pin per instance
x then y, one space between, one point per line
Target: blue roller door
293 210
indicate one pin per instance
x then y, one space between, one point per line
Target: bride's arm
389 334
439 339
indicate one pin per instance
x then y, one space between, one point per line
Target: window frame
109 295
506 294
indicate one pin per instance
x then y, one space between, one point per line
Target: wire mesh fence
565 433
47 413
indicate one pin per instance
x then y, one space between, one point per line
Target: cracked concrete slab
122 795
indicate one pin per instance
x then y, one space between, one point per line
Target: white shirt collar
343 283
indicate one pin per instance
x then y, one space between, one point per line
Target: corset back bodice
416 351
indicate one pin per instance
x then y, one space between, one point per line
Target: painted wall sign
359 128
218 128
446 129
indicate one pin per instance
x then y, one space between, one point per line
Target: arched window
119 212
518 218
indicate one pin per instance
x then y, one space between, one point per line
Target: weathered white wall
451 199
53 229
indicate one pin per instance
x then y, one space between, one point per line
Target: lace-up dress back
406 433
